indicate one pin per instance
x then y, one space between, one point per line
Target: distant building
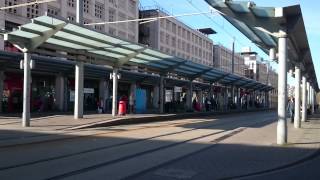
175 38
256 70
94 11
223 60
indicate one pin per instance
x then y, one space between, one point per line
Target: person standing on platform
290 109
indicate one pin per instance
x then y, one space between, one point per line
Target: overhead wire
217 24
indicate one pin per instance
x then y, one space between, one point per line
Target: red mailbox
122 107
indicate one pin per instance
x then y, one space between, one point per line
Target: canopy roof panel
262 25
63 35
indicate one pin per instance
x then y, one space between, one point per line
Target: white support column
201 98
1 88
115 91
308 95
304 100
225 99
132 97
59 92
79 12
282 91
103 92
156 96
297 122
78 95
312 100
26 89
248 100
161 94
189 95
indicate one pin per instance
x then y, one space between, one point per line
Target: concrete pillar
132 97
282 92
308 95
161 94
156 97
312 100
59 92
2 23
297 122
239 98
201 98
225 100
26 89
248 99
103 92
78 95
304 100
265 99
114 91
189 96
79 12
1 88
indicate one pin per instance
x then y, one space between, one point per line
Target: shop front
42 93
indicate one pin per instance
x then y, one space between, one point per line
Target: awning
262 24
104 49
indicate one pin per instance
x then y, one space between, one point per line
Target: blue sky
225 31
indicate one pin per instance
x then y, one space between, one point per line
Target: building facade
173 37
223 60
257 69
94 11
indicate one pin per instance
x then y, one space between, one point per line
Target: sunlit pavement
232 146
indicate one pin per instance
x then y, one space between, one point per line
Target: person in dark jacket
290 109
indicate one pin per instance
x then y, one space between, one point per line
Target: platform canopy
262 26
100 48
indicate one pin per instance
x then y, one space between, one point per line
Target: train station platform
60 124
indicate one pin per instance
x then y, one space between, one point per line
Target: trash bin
122 108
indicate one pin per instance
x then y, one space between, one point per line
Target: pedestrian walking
290 109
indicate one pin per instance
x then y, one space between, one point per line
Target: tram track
227 134
69 134
133 142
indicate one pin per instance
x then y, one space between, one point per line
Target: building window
122 34
11 3
168 25
132 6
98 11
71 17
52 11
131 37
162 37
122 17
112 13
86 7
132 26
112 31
173 42
99 27
162 23
188 36
123 4
33 11
174 28
167 39
71 3
183 46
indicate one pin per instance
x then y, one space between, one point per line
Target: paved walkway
248 154
245 148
